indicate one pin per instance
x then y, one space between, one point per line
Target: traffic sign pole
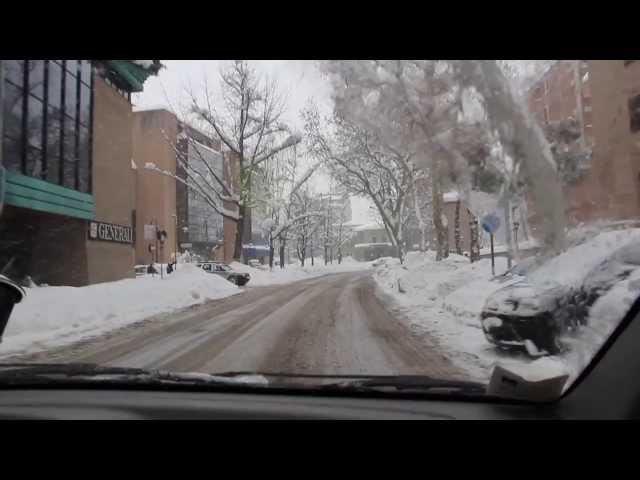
493 263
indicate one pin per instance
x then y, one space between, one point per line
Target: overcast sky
300 80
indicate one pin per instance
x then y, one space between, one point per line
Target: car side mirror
10 294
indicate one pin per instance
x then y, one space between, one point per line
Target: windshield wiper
369 383
23 374
82 373
411 383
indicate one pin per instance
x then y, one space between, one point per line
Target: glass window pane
69 154
12 154
72 66
84 151
13 71
34 161
85 104
36 78
70 95
53 167
53 131
55 84
12 110
85 71
34 122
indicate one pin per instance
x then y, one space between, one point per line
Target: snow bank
54 316
292 273
445 298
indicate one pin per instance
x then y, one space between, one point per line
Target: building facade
190 222
68 210
605 98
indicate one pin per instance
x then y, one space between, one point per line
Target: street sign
186 245
149 232
490 223
110 232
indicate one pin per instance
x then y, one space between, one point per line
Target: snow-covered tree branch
249 123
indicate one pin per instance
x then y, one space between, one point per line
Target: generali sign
110 232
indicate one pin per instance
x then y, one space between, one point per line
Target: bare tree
305 224
250 125
364 166
523 142
203 177
408 104
282 202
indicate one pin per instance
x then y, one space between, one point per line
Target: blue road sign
490 223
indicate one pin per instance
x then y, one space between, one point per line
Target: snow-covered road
330 325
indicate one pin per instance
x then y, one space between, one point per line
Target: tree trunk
326 254
507 231
237 252
524 140
436 204
456 231
282 250
474 254
421 223
271 251
247 217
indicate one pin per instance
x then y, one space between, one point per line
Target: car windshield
385 224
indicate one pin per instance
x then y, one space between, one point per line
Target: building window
47 120
634 113
628 62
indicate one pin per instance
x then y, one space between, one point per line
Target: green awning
129 75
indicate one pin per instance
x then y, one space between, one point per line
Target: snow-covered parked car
534 315
522 315
225 271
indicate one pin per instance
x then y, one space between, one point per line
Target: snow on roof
143 63
452 196
256 247
147 108
365 245
352 223
205 147
369 226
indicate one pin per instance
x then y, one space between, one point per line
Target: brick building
69 189
189 221
604 96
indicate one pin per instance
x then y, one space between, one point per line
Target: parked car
534 317
225 271
140 270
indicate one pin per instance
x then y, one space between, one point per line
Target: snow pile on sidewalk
54 316
437 298
444 299
292 273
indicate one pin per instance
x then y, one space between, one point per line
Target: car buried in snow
535 316
522 315
225 271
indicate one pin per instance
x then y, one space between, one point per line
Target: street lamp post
175 258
